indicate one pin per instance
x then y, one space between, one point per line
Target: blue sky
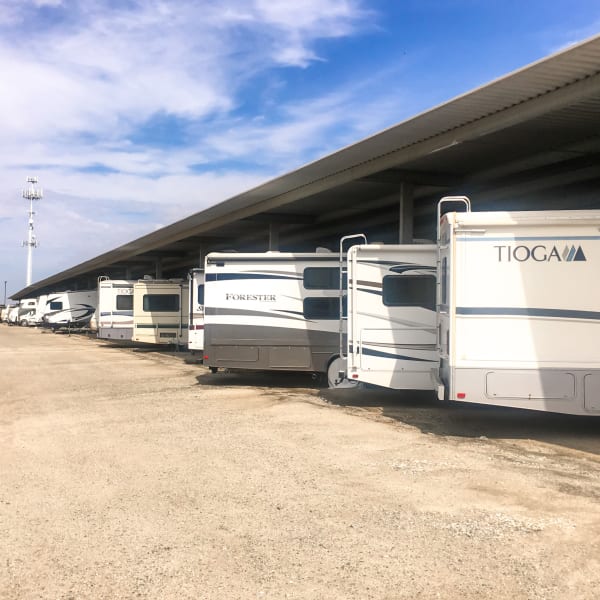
136 113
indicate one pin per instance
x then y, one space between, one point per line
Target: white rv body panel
4 313
13 314
271 310
196 328
519 309
115 309
161 311
26 313
391 315
70 308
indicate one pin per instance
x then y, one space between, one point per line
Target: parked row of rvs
503 309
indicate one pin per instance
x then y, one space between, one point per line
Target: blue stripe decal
528 312
240 276
379 354
526 238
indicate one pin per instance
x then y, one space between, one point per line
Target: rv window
323 278
56 305
201 294
124 302
409 290
323 308
161 303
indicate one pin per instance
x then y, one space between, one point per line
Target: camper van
391 324
67 309
196 325
161 311
115 309
272 311
519 309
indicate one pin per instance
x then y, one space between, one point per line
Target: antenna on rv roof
31 193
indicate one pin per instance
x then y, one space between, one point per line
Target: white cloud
81 79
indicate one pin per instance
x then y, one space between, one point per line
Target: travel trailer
196 325
391 323
272 311
161 311
115 309
67 309
519 309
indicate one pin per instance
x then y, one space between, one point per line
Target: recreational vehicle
161 311
272 311
115 309
391 325
24 313
68 309
196 325
519 309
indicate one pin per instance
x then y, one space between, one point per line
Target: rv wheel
336 375
24 323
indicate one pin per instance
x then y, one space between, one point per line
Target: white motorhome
24 313
115 309
196 325
272 311
67 309
161 311
519 309
391 325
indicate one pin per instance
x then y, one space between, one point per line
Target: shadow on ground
423 410
273 379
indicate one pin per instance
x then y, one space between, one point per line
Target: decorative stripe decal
159 326
528 312
379 354
246 276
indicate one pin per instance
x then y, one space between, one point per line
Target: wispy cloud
87 86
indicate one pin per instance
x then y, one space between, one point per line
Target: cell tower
31 193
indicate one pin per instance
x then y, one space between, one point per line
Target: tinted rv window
445 281
161 302
56 305
323 308
322 278
124 302
409 290
201 294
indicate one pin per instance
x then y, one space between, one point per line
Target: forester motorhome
519 309
272 311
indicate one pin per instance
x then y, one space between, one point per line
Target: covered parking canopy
530 140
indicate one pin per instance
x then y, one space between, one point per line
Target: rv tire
24 323
337 366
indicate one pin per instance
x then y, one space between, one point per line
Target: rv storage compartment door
592 391
400 358
546 385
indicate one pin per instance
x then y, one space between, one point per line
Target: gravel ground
134 474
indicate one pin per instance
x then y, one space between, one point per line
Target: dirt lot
132 474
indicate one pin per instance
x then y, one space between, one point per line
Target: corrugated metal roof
560 94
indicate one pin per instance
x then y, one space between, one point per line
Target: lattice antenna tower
31 193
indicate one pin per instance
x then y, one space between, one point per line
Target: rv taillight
355 376
206 357
461 395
